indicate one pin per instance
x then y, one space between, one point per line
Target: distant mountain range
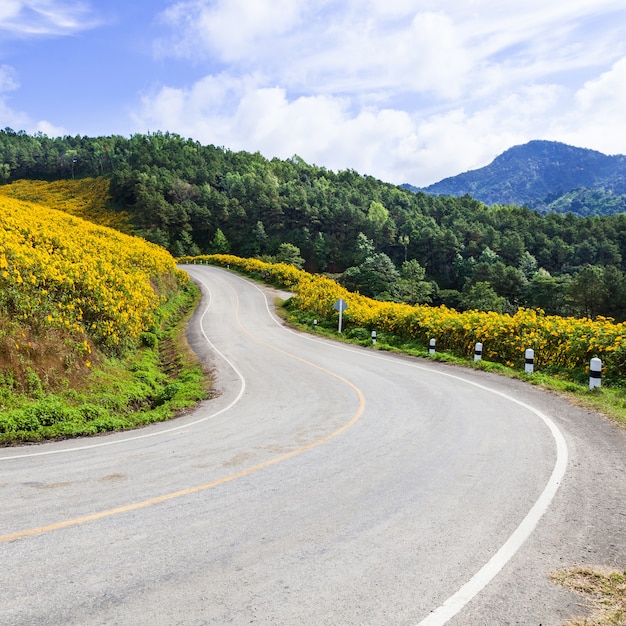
547 176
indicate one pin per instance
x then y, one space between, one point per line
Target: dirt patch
604 592
112 477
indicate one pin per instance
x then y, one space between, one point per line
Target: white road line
160 432
457 601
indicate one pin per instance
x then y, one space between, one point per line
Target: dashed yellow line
215 483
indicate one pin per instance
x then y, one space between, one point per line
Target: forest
373 237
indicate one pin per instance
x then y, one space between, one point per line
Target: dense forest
377 238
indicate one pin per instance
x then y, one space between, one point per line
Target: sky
407 91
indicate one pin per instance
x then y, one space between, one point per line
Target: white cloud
228 28
337 46
16 119
8 79
408 91
44 17
10 118
9 9
49 129
388 143
597 116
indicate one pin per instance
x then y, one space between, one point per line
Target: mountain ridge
547 176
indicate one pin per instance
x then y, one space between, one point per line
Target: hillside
87 198
78 302
377 238
546 176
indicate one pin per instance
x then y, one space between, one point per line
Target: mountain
546 176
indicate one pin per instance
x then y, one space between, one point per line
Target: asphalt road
325 484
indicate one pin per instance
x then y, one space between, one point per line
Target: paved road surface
325 485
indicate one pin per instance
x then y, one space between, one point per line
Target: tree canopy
193 198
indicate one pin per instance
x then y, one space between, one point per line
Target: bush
49 411
168 393
149 340
105 424
8 423
22 419
90 412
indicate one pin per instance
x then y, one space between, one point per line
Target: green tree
404 241
411 287
321 251
290 254
220 244
588 291
259 237
547 293
375 276
481 297
528 265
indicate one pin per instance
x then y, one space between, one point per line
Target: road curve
324 485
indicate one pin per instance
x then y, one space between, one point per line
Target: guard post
595 373
529 366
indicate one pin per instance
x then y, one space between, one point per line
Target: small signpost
341 305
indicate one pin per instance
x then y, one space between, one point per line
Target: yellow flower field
86 198
61 272
563 342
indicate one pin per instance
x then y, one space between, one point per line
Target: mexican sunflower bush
87 285
559 341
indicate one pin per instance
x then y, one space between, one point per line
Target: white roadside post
431 347
478 351
529 367
595 373
373 337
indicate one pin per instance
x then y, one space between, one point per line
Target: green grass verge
159 380
608 400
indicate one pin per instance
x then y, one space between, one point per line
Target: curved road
325 484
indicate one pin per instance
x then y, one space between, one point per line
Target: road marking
457 601
190 490
220 481
159 433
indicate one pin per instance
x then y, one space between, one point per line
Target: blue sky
404 90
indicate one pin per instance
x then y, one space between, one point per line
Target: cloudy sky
404 90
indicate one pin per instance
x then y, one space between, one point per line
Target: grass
604 592
154 383
610 401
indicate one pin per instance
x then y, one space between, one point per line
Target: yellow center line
215 483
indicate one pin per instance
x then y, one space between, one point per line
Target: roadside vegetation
87 198
88 327
563 346
604 592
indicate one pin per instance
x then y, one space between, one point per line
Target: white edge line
457 601
160 432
